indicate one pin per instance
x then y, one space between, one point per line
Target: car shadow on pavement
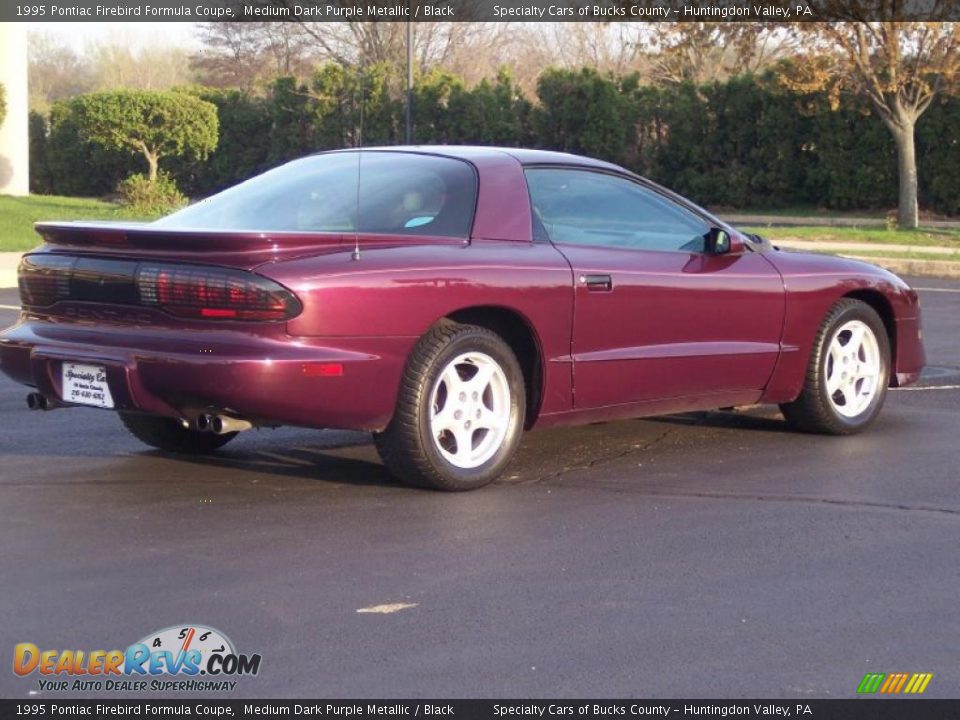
352 464
351 459
761 417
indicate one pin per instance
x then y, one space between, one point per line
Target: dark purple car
445 299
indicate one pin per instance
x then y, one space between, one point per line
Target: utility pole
14 131
409 107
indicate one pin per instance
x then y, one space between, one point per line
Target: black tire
408 447
169 435
813 411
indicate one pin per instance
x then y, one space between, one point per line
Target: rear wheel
168 434
848 373
460 411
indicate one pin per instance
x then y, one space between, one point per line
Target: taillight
194 291
44 279
214 293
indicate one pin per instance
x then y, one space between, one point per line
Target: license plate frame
85 384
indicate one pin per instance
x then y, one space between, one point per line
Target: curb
786 221
902 266
919 268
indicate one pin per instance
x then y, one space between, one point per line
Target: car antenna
356 225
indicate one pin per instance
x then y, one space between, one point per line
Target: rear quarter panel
400 292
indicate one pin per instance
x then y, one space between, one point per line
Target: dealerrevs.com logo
177 658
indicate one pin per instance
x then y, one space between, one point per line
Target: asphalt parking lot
708 555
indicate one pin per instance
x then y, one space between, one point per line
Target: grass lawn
880 236
18 214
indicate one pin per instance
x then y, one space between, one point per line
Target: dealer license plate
86 385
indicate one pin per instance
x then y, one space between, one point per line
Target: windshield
400 193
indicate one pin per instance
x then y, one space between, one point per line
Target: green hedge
743 143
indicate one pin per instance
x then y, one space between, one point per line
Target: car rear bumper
280 380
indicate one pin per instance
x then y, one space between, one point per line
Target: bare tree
609 47
435 44
55 72
125 63
703 52
244 54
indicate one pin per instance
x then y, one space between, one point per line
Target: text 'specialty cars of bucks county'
458 296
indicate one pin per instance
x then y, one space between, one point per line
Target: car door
655 316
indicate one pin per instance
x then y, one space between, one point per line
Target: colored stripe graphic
870 683
895 683
918 683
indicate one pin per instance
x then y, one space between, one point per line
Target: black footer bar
854 709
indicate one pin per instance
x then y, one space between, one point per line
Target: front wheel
460 411
847 375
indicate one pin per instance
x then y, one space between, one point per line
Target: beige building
14 133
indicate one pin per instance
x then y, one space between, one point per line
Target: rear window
399 193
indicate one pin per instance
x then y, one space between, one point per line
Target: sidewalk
901 266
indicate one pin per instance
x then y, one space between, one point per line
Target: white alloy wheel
853 368
470 410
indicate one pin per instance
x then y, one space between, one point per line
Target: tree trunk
907 211
153 160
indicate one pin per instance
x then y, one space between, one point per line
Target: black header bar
477 10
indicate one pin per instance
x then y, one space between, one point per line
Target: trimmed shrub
151 197
151 124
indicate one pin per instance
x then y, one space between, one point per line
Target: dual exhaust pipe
220 424
217 424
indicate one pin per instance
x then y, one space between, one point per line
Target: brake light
214 293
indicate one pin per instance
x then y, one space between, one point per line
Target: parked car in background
445 299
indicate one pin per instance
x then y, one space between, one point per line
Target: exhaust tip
37 401
223 424
202 423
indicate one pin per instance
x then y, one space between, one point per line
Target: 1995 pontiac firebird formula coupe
445 299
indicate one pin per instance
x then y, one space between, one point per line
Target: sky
80 34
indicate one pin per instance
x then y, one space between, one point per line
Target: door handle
597 283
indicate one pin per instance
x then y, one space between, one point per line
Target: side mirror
720 242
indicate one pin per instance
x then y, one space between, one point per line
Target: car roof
525 156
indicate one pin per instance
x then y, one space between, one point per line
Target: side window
582 207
